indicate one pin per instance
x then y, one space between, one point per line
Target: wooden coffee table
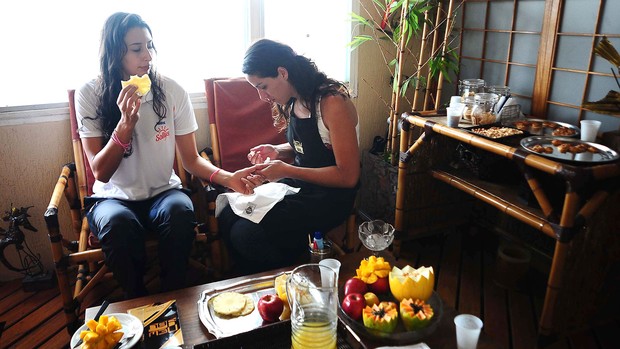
194 332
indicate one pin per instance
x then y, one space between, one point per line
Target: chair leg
352 239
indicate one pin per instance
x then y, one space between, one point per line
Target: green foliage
392 28
444 63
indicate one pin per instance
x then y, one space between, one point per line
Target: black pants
281 237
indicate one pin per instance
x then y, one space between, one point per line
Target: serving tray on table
542 127
249 331
496 131
400 336
224 327
591 153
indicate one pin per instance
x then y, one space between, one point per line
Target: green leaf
380 4
362 20
358 40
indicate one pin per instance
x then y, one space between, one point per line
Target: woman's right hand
129 104
262 153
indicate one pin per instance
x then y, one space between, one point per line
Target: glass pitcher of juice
312 292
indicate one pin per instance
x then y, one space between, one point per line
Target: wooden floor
464 264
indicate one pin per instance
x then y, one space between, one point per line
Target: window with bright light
320 32
49 47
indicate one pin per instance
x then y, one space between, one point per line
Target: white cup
455 99
467 331
589 130
333 264
453 116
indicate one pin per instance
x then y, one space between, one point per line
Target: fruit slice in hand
412 283
143 83
416 314
381 317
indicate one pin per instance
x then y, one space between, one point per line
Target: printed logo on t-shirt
299 147
162 132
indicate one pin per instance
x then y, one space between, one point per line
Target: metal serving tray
224 327
471 129
542 127
603 154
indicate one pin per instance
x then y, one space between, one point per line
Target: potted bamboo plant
414 38
415 41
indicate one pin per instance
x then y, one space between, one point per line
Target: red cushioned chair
239 120
75 182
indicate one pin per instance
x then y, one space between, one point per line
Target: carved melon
416 313
410 282
381 317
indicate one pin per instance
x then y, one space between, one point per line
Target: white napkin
255 206
412 346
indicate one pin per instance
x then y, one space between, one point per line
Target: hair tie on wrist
213 175
126 146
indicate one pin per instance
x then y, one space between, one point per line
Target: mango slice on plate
102 334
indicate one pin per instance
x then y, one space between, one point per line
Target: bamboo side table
561 226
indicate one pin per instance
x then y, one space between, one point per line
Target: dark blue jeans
122 227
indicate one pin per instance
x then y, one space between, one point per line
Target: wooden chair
75 182
239 120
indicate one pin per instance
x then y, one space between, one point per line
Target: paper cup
333 264
455 100
453 116
467 331
589 130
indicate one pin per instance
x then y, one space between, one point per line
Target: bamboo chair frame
68 254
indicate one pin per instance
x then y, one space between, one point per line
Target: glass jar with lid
499 90
503 93
468 108
484 108
469 87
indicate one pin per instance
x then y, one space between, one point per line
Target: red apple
270 306
353 304
382 285
355 285
371 299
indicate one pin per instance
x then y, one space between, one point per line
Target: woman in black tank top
321 158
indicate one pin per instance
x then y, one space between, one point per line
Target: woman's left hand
273 170
245 180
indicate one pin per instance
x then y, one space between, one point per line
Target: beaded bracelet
126 146
213 175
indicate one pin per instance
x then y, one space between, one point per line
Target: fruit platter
393 305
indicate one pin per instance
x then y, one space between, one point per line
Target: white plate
131 325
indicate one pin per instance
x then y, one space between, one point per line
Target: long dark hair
111 55
264 58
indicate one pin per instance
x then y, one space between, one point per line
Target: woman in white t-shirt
130 141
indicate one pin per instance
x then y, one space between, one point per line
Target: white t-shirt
148 171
